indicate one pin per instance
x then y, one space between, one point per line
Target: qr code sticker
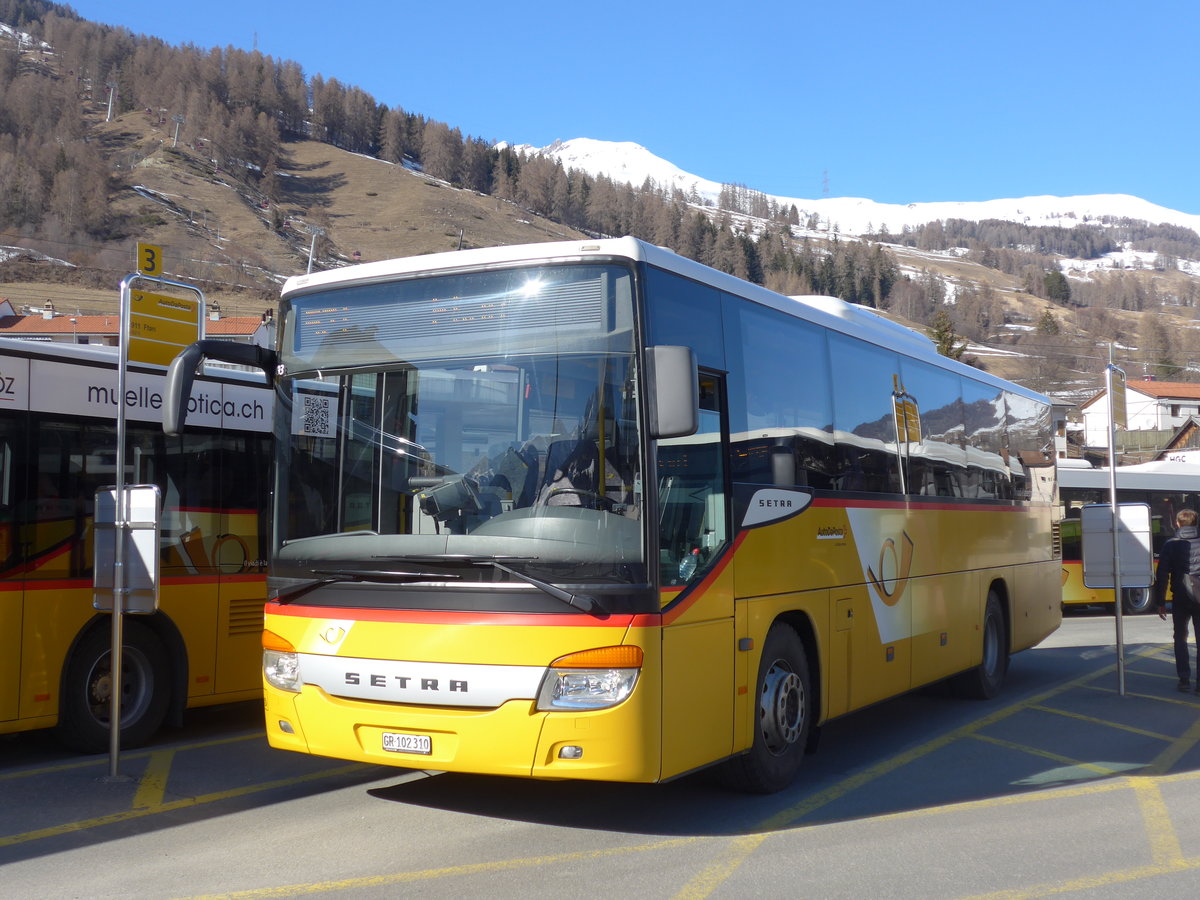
314 415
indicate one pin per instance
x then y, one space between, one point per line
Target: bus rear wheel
783 717
1136 601
983 682
84 713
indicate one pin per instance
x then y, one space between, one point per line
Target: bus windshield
462 420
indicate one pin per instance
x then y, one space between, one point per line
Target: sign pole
122 524
1115 379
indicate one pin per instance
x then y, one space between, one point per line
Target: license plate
395 742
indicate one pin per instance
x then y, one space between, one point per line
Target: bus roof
830 312
1151 476
108 355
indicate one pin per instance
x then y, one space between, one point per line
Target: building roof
1159 390
17 326
232 325
27 326
1164 390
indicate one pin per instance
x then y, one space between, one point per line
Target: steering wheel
599 501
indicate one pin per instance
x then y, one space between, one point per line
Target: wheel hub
781 708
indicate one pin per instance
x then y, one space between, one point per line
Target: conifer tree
1047 324
1058 289
941 331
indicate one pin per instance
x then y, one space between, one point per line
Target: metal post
119 527
1112 499
312 247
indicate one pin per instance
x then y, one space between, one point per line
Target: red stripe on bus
842 503
692 593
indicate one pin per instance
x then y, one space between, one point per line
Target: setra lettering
405 682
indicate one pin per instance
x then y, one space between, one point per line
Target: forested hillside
246 166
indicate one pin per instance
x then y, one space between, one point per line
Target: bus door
698 634
212 515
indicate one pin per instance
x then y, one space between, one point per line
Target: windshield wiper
342 576
585 602
382 576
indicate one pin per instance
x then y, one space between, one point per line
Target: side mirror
673 391
182 372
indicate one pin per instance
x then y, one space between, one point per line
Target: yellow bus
591 510
1166 487
58 408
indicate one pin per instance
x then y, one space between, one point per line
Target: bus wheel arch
803 626
86 685
785 711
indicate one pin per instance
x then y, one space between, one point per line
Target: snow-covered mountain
624 161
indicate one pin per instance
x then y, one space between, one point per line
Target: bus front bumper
514 739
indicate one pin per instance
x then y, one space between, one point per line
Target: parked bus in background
1166 487
592 510
58 407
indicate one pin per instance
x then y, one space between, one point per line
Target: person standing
1178 557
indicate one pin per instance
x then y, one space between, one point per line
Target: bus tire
1137 601
784 717
983 682
83 714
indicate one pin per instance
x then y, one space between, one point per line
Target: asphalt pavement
1082 778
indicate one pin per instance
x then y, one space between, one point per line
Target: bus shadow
918 752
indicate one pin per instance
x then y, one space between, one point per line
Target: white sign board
141 552
1134 548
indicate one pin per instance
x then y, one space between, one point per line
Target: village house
1156 414
52 325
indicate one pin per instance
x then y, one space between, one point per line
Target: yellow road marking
1087 883
153 784
1092 719
1168 855
1045 754
506 865
716 873
740 847
183 803
1164 842
1185 742
140 754
712 877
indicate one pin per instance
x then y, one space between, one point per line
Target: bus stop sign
1134 553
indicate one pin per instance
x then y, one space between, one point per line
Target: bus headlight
281 663
282 670
590 679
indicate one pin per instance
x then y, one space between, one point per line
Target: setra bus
592 510
1166 487
58 409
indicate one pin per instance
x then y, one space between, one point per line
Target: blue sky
896 102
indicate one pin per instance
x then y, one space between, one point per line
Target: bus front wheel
783 716
84 713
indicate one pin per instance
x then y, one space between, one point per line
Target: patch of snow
624 161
